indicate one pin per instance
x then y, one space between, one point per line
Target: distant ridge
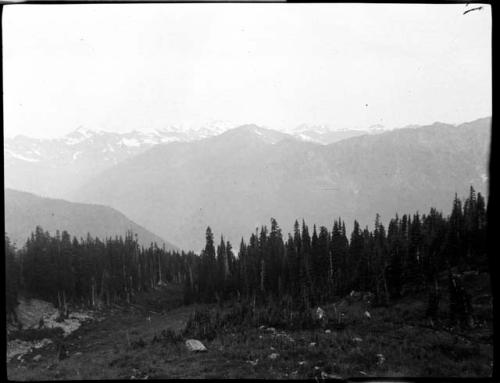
24 211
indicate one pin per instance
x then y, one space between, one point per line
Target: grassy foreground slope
146 340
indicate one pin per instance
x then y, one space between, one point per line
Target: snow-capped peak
78 135
85 132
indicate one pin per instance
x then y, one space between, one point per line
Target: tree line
310 268
307 267
87 271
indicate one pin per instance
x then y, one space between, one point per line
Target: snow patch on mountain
21 157
130 142
305 137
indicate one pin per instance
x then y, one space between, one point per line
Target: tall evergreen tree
11 279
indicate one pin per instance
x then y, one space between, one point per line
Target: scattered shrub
167 336
201 325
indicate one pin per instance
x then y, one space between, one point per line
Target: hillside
24 211
239 179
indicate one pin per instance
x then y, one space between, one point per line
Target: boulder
273 356
194 345
37 358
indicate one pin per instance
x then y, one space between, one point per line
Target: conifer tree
355 257
321 251
11 280
208 264
395 254
305 268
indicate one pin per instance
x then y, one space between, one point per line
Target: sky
123 67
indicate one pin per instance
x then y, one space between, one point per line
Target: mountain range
58 167
24 211
238 180
55 167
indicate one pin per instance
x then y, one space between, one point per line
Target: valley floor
128 344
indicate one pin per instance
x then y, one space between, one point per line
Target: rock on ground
195 345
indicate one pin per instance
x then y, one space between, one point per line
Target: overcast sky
147 66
